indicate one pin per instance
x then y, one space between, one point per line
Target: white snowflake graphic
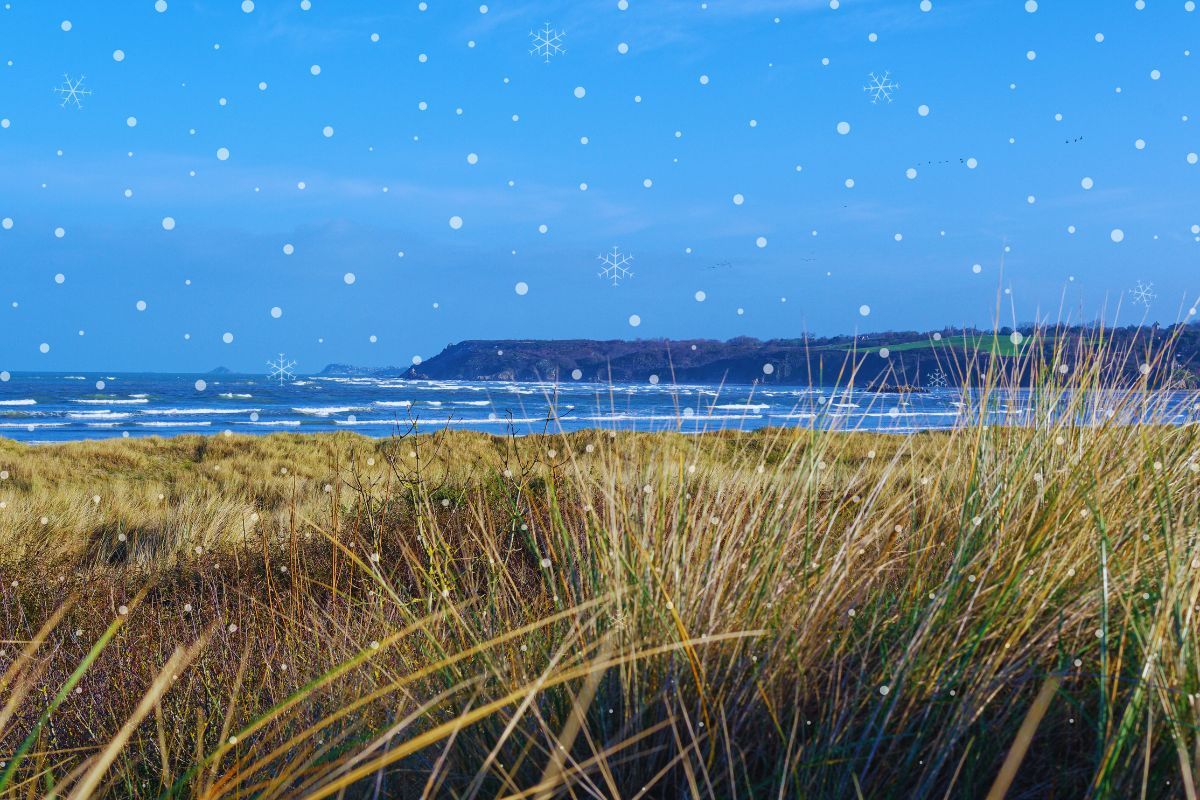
881 87
936 379
72 91
547 42
281 369
1143 293
616 266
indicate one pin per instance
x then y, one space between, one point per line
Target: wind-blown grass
781 613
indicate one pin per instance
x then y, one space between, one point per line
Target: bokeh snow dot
521 288
634 320
349 278
1117 235
456 222
168 223
843 128
864 310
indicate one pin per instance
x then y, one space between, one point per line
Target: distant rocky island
891 361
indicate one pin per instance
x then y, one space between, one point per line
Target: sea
52 407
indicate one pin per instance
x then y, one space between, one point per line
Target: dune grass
784 613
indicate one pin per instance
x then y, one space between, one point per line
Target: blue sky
446 81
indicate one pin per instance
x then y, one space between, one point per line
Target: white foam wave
325 411
135 401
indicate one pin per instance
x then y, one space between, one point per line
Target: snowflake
881 88
547 42
1142 293
72 91
616 266
936 380
281 369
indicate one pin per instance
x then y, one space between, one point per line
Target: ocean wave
134 401
25 402
34 424
232 396
277 423
173 412
325 411
472 402
746 406
394 403
105 414
183 423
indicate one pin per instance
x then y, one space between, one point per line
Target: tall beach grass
802 612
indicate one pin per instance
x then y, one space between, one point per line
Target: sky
366 182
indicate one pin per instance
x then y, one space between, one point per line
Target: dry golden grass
778 613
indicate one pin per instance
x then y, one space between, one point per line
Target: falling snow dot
288 249
1031 6
118 55
66 25
1117 235
247 6
160 6
1140 144
761 241
327 131
843 128
1099 37
227 337
738 199
926 5
1192 158
456 222
1087 183
521 288
140 305
700 296
580 92
276 312
1031 55
222 154
44 347
910 173
622 48
349 278
200 386
849 183
60 233
977 268
131 122
472 158
1155 74
315 69
704 80
864 310
543 228
634 320
168 223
